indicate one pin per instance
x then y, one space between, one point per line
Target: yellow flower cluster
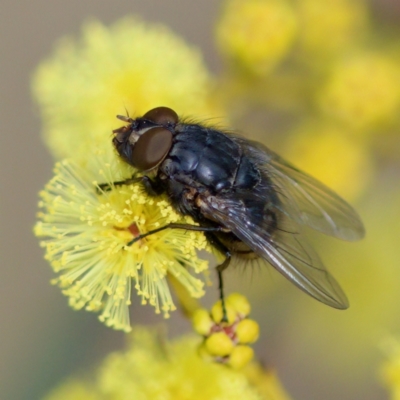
327 29
227 341
362 91
87 231
153 368
256 33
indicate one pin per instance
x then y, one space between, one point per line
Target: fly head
146 141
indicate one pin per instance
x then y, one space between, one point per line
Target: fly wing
304 198
283 246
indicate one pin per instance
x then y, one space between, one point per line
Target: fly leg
153 188
187 227
107 187
220 268
209 230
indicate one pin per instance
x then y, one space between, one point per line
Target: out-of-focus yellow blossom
267 382
227 341
257 34
363 91
326 152
153 368
88 231
390 371
329 28
131 66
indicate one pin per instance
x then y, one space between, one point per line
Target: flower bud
219 344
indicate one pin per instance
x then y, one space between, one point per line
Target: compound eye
162 116
151 148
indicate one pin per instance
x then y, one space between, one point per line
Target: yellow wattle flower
256 34
227 341
363 91
131 66
153 368
327 29
86 233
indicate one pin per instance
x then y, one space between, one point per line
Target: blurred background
324 93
